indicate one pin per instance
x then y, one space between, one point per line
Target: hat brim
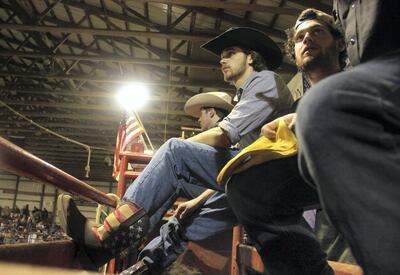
194 104
250 39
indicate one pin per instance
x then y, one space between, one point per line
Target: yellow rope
87 147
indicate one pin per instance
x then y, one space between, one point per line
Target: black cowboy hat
249 39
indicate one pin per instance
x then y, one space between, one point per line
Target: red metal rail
18 161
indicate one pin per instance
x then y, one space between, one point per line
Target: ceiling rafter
26 18
228 6
238 21
107 143
314 4
51 141
190 43
69 147
69 133
76 62
175 55
58 125
159 52
73 106
82 93
107 70
106 32
109 125
195 84
113 119
130 60
66 59
144 20
248 13
185 14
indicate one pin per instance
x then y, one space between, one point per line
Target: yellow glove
260 151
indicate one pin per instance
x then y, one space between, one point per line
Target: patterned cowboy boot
122 229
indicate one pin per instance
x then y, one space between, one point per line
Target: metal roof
62 62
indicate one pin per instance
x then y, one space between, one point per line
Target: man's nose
307 37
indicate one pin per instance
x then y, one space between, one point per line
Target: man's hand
187 208
269 129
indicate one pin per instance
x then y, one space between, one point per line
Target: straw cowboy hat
215 99
249 39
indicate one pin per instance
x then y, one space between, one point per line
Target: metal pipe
20 162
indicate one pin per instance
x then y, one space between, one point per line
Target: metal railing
20 162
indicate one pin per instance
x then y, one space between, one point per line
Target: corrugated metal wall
20 191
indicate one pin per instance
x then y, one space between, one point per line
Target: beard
321 60
235 72
312 63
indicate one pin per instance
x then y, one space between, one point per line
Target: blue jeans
349 134
215 216
181 169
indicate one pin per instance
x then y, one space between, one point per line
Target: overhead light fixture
133 96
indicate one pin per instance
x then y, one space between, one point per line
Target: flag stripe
126 135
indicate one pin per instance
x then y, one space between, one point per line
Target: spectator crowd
28 226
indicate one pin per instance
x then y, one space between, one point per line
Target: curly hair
289 44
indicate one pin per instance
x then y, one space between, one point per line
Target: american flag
127 133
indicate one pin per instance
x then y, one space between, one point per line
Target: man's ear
212 112
250 59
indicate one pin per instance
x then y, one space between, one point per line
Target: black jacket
371 27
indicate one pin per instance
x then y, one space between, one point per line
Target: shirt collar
238 95
239 92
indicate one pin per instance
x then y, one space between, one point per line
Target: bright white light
133 96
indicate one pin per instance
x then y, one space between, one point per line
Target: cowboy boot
98 243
